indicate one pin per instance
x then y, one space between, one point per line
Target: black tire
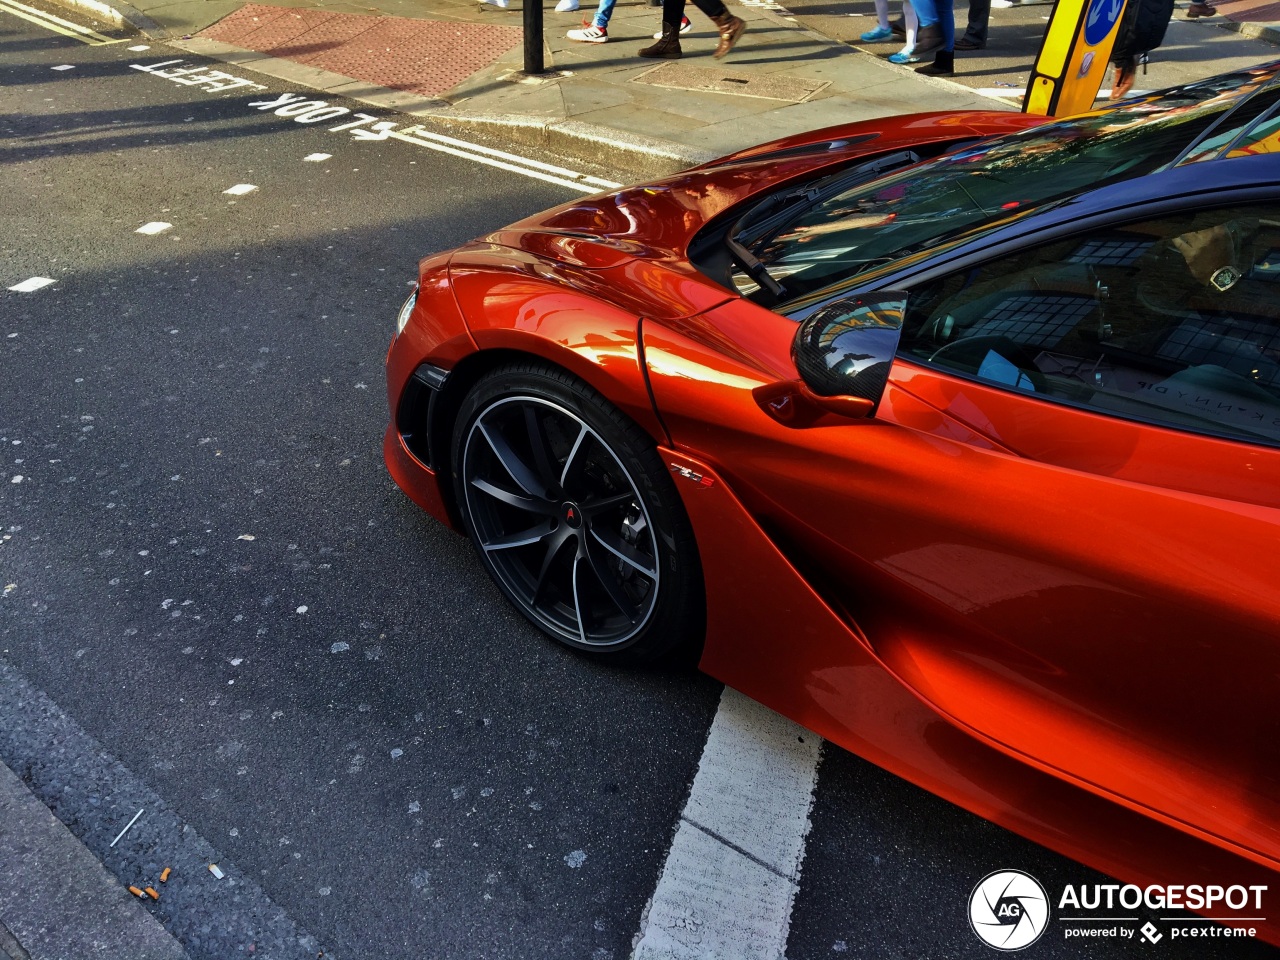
575 516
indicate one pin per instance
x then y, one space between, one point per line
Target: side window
1175 321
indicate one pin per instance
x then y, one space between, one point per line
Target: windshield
850 225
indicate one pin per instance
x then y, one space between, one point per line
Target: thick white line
490 161
56 24
510 157
732 872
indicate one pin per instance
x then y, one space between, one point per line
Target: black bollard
533 36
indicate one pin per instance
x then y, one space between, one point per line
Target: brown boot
731 28
668 46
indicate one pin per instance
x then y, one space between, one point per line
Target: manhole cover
680 77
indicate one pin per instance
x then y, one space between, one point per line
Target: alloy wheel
560 521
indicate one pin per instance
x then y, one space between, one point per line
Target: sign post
1072 61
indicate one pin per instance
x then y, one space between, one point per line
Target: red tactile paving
426 57
1249 11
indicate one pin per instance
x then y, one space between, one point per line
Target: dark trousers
673 10
979 16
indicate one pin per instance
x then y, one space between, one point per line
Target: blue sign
1101 18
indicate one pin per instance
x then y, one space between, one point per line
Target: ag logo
1008 910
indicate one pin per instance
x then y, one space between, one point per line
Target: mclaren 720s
954 437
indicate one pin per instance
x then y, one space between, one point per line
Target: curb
118 14
52 876
643 156
1269 32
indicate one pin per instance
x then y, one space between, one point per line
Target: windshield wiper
756 270
773 213
751 228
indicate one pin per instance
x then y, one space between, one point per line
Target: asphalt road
208 577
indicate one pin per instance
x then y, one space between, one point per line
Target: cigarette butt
152 894
164 874
213 868
136 892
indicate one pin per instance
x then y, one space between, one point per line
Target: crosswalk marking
732 872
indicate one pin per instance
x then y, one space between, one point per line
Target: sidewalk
57 902
459 62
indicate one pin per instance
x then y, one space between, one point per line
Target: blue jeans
941 12
603 13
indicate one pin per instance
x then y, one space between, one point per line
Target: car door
1061 527
1072 543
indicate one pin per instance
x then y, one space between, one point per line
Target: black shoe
968 43
944 64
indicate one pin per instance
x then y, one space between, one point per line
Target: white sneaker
566 6
592 34
500 4
685 27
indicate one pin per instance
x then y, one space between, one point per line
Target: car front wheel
574 516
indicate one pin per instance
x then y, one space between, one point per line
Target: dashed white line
31 285
240 189
156 226
732 872
316 157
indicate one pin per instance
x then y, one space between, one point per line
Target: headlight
402 318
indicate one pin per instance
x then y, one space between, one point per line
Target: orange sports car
954 437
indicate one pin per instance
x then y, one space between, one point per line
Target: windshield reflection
872 224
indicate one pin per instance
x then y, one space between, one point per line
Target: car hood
630 246
650 221
657 220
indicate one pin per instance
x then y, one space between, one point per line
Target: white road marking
412 136
240 189
420 133
366 127
156 226
31 285
56 24
139 48
732 872
65 66
316 157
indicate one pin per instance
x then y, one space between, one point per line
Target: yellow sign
1072 62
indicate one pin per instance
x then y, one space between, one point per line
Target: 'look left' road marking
367 128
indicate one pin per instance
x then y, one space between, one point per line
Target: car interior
1175 321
